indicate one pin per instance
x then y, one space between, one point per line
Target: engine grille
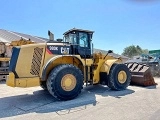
36 61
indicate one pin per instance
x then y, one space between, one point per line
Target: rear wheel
119 77
43 85
65 82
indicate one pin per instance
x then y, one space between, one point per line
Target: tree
145 51
133 50
139 50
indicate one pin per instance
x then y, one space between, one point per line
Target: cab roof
79 30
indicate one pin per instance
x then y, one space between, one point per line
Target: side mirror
109 51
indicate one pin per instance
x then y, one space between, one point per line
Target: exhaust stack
51 35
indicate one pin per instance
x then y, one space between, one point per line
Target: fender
108 64
49 63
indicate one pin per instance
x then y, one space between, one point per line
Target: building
8 36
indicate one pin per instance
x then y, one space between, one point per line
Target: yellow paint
89 62
5 59
89 72
122 77
97 70
66 59
107 65
24 61
102 65
21 42
11 79
27 82
22 82
48 56
68 82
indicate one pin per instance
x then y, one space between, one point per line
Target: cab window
71 38
83 40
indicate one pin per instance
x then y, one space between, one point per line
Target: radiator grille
36 61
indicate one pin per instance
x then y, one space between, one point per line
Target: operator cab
80 41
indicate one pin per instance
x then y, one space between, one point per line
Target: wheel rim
68 82
122 77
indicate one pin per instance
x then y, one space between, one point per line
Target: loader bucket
141 74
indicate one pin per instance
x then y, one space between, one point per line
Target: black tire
113 81
43 85
54 82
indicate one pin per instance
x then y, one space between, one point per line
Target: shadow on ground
2 82
42 102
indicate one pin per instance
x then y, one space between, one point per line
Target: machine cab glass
71 38
80 41
83 40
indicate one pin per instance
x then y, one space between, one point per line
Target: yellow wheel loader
64 66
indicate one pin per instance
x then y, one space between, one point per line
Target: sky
117 23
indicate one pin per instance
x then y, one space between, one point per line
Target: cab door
84 48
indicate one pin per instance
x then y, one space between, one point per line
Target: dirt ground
95 102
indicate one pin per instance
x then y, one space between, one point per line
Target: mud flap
141 74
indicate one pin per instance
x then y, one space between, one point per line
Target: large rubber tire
43 85
54 82
113 81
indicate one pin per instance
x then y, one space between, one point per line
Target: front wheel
119 77
65 82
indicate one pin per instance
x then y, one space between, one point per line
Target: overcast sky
117 23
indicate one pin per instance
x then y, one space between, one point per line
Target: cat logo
64 50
